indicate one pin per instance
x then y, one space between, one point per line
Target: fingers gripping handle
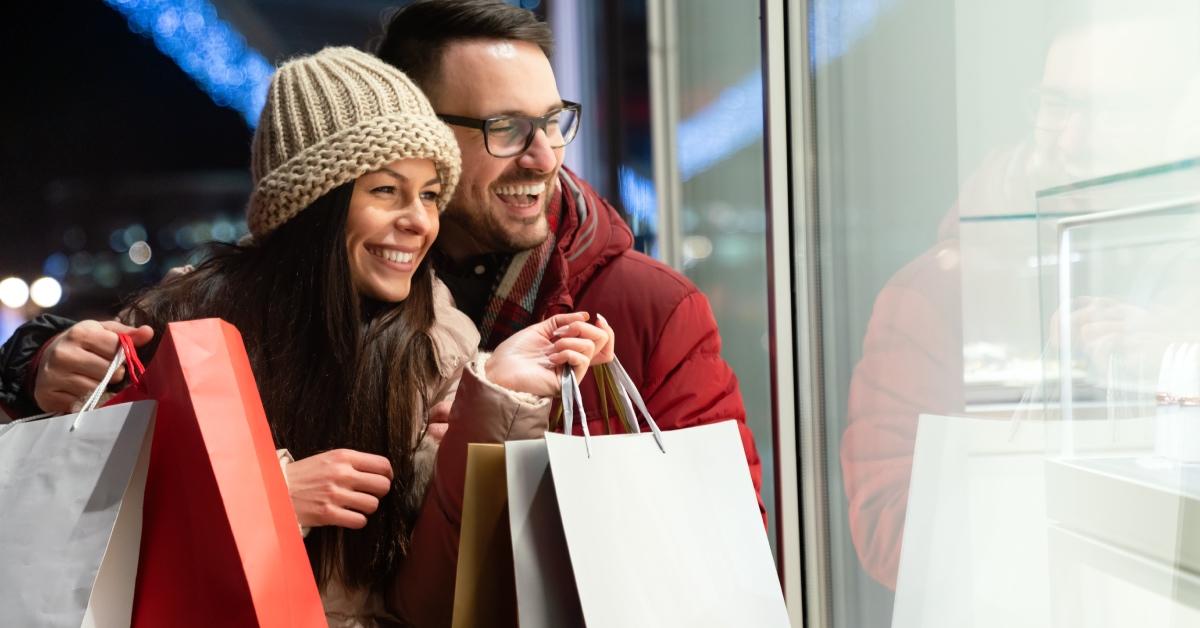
126 354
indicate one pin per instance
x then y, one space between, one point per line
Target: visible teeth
528 189
400 257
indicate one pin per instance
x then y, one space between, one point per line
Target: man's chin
522 235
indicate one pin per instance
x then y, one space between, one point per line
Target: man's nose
539 157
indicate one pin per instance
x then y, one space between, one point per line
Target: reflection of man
911 364
1110 100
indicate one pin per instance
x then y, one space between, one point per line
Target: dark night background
107 141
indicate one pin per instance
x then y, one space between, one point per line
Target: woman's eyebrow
394 174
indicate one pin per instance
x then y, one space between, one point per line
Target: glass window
947 137
693 187
722 240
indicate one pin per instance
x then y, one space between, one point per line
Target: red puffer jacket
667 340
667 337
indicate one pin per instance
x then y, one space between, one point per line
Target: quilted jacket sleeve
423 593
687 383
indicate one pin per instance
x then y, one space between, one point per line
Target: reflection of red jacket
667 337
911 364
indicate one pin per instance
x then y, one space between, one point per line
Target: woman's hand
75 361
339 487
529 361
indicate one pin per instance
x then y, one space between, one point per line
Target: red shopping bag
220 542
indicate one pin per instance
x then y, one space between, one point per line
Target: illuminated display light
56 265
14 292
696 247
106 274
140 252
45 292
206 47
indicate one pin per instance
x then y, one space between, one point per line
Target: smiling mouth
521 196
392 255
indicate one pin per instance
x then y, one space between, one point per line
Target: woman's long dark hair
334 369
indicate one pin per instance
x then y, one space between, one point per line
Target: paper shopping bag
545 585
483 589
220 542
71 514
685 520
655 529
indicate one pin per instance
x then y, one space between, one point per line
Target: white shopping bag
546 595
71 516
662 529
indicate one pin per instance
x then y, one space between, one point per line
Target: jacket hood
593 233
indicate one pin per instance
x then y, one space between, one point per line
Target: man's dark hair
416 36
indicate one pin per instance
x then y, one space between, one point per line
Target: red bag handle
133 364
127 355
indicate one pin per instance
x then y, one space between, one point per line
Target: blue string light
837 25
734 119
726 125
205 47
637 196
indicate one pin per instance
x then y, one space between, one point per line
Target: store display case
1120 311
1119 296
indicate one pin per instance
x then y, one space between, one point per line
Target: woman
350 336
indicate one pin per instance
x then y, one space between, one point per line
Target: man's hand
529 361
339 487
75 361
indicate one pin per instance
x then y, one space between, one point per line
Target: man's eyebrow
521 114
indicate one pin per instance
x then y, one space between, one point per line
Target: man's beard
499 233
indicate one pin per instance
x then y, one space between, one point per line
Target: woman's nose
417 217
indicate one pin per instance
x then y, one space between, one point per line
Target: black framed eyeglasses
506 136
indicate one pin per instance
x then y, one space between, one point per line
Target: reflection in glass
936 124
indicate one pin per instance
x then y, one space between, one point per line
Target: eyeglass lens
508 136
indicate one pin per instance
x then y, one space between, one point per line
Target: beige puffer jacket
455 341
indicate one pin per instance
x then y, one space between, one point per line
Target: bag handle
126 354
609 389
627 394
572 395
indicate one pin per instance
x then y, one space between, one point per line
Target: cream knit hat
331 117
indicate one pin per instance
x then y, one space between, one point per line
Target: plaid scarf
510 308
532 277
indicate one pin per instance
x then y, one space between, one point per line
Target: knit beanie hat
332 117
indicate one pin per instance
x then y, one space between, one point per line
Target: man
523 238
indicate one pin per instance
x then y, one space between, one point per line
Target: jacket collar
590 233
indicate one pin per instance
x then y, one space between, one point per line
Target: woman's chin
389 293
